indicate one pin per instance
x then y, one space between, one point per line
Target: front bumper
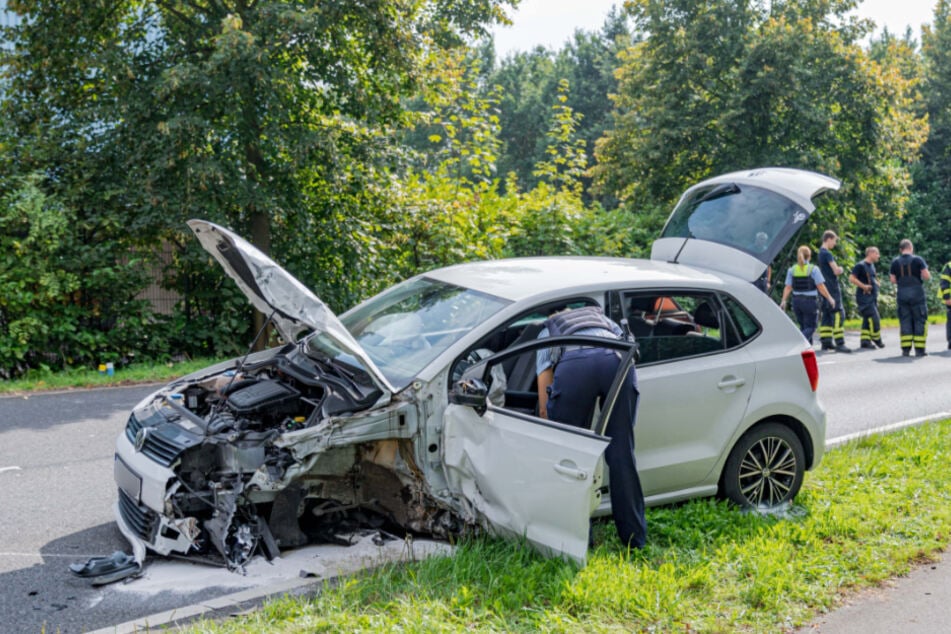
139 511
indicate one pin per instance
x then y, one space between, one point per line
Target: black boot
881 344
906 352
920 352
867 344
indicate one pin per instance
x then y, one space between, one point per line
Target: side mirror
471 393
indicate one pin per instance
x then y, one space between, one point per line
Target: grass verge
874 508
37 380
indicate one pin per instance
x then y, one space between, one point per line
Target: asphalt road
56 487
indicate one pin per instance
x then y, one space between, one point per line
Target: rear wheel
765 468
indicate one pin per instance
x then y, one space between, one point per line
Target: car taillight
812 367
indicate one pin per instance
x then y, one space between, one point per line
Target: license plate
127 480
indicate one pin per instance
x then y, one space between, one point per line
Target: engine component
274 397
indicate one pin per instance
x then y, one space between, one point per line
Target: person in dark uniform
865 280
832 326
805 283
945 294
909 272
570 382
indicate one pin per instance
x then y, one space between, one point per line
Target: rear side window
746 326
673 325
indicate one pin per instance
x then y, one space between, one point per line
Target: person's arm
925 275
892 277
545 379
825 293
786 291
857 282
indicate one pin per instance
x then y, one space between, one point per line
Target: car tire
765 468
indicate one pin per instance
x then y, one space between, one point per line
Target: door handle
571 471
730 383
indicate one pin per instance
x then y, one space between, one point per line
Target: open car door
737 223
524 475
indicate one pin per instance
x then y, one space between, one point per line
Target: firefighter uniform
944 293
832 325
582 376
912 306
804 278
867 304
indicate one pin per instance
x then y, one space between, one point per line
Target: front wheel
765 468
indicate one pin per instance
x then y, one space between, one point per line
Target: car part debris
106 570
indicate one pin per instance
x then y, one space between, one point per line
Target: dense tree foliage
360 143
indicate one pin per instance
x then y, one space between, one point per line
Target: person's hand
782 305
947 302
832 303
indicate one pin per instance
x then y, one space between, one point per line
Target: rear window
751 219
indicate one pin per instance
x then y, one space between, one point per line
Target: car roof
522 278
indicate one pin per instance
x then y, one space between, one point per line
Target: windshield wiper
720 191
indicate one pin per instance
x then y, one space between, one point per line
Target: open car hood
272 290
738 223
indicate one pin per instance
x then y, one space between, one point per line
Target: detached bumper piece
106 570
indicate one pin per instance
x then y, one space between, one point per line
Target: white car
417 408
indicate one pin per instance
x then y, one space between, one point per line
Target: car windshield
749 218
404 328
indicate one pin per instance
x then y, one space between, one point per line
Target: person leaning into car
865 280
909 272
832 324
570 382
805 282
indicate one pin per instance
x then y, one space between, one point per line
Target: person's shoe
881 344
867 344
906 352
842 348
827 346
920 353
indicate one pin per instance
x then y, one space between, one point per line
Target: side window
746 326
671 325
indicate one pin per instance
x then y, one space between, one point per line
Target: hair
905 244
871 250
803 254
828 235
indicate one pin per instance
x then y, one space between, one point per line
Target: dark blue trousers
581 378
804 308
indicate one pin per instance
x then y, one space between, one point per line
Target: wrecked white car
417 408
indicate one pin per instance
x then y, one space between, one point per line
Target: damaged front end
274 454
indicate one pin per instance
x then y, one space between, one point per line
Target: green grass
873 509
83 377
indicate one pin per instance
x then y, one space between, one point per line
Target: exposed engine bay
284 451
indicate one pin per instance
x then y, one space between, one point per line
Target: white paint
835 442
2 469
321 562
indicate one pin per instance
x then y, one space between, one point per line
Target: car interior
666 326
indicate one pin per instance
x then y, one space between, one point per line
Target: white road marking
835 442
2 469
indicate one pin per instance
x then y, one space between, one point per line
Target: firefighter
832 326
909 272
945 294
570 382
865 280
804 281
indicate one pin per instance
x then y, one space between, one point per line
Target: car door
695 384
523 475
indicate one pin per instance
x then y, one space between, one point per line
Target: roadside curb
236 601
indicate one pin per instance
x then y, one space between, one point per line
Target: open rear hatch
738 223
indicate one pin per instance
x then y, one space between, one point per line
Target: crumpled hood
294 308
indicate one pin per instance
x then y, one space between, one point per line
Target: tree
270 117
722 86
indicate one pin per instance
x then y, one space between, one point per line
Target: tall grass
873 509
